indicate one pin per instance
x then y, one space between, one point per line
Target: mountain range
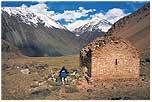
92 29
35 34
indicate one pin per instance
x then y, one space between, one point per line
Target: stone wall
110 57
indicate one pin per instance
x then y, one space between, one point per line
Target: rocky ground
37 78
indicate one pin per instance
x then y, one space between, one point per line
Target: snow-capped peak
96 24
30 17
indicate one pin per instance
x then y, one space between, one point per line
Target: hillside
134 27
36 37
9 51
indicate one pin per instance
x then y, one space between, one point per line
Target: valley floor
28 78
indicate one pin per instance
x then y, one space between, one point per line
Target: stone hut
110 57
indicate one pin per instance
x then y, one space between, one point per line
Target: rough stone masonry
110 57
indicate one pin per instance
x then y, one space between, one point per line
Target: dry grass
55 63
16 85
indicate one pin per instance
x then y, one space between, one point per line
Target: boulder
25 71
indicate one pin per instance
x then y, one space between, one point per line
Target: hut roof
102 41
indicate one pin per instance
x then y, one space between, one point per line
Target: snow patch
77 35
100 25
30 17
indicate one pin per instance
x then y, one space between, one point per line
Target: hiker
63 75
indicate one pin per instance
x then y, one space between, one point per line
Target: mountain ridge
38 40
29 17
100 25
135 28
35 37
92 29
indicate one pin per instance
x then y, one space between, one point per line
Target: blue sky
68 13
129 6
